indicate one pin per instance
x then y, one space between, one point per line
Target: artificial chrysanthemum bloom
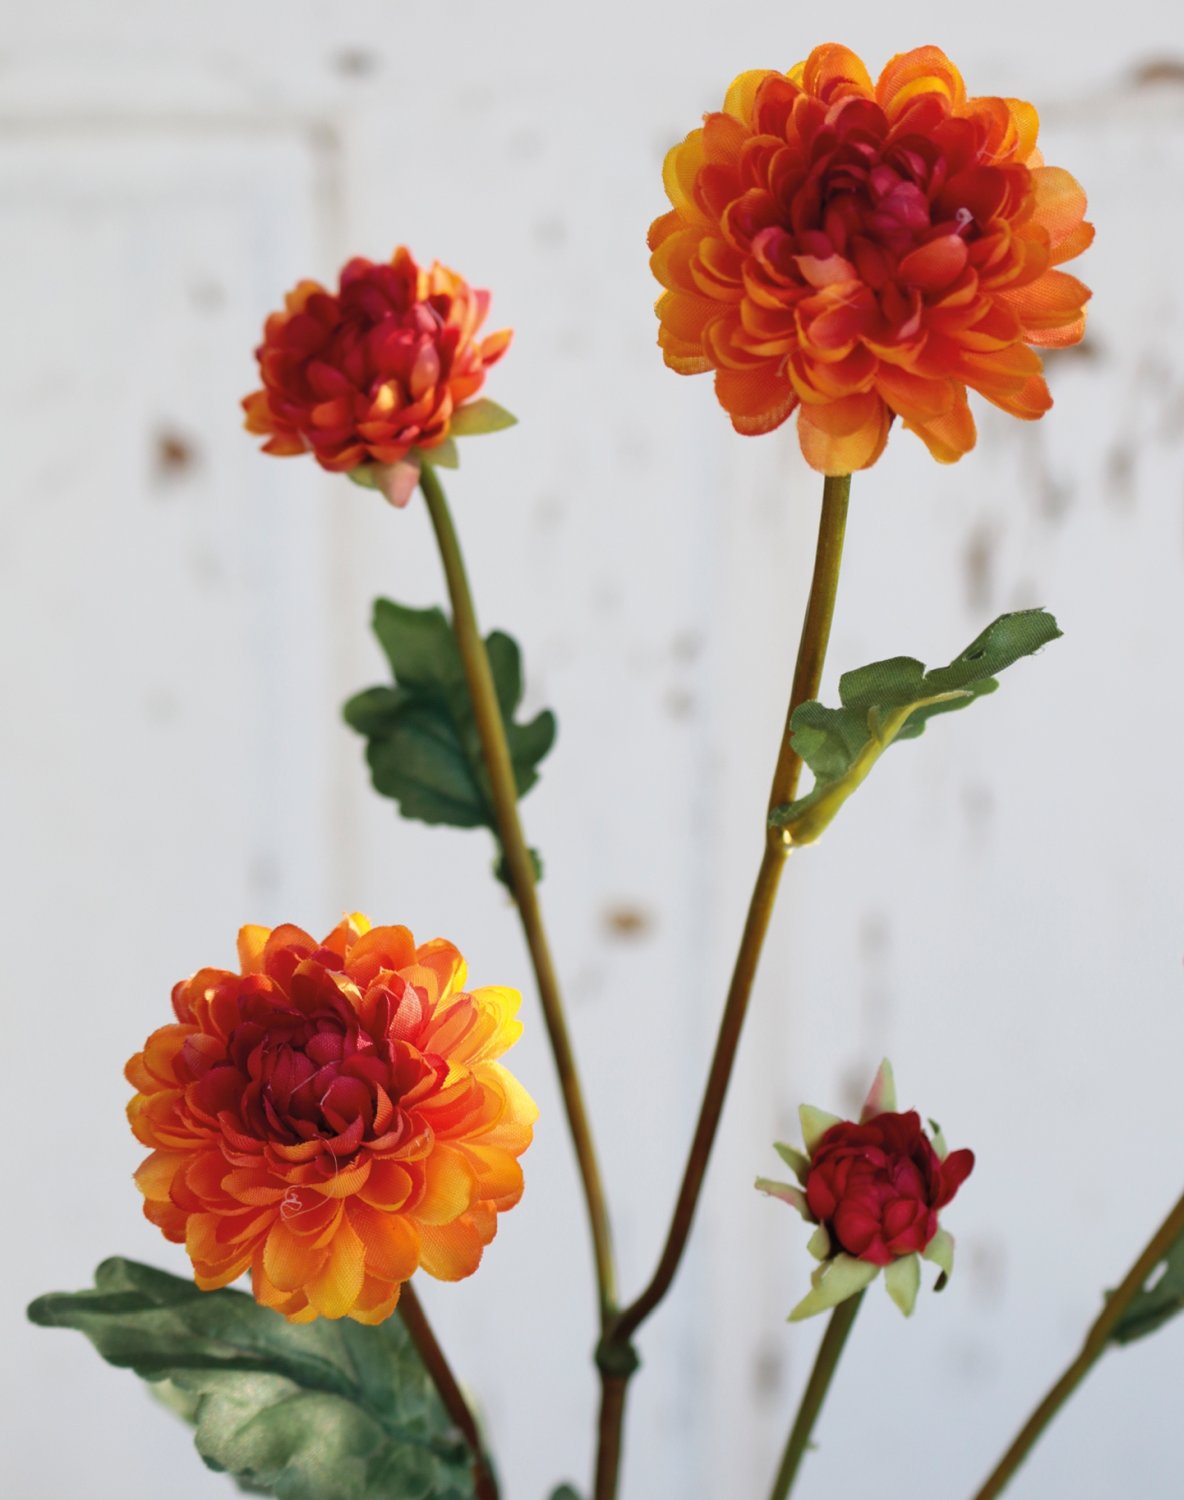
371 376
874 1188
331 1118
859 252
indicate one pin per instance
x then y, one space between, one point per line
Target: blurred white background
1001 911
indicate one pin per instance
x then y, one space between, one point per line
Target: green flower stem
420 1330
492 733
1095 1344
807 676
837 1329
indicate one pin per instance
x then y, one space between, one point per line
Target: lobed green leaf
894 700
319 1411
423 748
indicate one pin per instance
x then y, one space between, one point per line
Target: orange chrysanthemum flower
374 371
861 251
331 1119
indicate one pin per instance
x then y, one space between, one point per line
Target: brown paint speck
1158 70
175 455
977 562
356 62
627 921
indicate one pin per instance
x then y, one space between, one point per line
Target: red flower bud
878 1187
874 1191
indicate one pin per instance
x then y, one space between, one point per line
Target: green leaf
423 747
320 1411
480 416
1161 1298
565 1492
894 700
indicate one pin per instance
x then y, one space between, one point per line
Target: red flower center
303 1071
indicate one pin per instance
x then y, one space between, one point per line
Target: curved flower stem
807 675
1095 1343
837 1329
492 733
420 1330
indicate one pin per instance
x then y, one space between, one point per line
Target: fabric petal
846 435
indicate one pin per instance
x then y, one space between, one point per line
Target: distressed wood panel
192 616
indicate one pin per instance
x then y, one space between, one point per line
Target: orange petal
935 264
450 1252
447 967
390 1242
290 1261
833 72
686 314
1029 401
742 92
335 1289
1027 126
950 435
1060 209
498 1175
925 70
1050 308
516 1113
154 1176
251 942
387 1187
845 435
755 400
679 171
671 261
448 1187
912 396
377 1300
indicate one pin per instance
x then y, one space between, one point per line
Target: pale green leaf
889 701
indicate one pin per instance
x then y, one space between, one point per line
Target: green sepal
423 747
938 1140
480 416
940 1251
881 1097
364 475
903 1281
565 1492
1161 1298
893 700
791 1195
329 1410
797 1162
815 1124
444 455
833 1282
819 1243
